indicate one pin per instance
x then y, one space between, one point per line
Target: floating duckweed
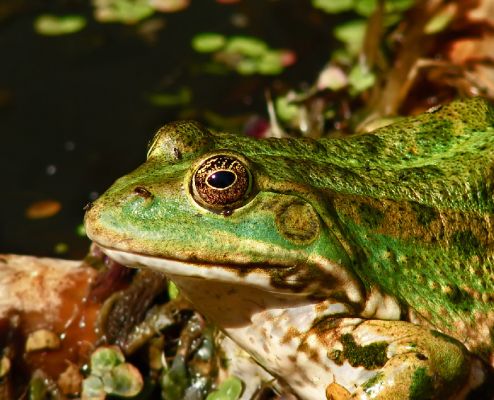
92 388
246 45
124 11
54 25
271 63
104 359
245 54
180 98
80 230
110 374
124 380
230 389
208 42
61 248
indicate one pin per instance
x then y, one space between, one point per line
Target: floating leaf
182 97
247 46
271 63
230 389
53 25
333 6
247 66
61 248
169 6
92 389
105 358
80 230
123 380
208 42
43 209
126 11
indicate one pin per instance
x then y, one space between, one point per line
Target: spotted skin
348 268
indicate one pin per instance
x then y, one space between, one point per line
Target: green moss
422 387
370 357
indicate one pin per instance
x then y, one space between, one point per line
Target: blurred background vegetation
85 84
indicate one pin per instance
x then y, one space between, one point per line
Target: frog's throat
339 282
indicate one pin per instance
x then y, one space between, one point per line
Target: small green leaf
440 21
365 7
182 97
284 109
352 34
53 25
246 45
92 388
246 66
123 380
126 11
333 6
173 290
80 230
208 42
169 6
61 248
105 359
230 389
271 63
398 5
361 78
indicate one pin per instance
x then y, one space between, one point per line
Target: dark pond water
75 111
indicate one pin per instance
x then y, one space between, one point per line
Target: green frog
358 267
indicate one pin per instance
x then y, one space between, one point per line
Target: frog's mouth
254 275
297 280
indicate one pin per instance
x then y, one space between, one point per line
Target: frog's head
221 207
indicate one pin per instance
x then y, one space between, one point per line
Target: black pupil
221 179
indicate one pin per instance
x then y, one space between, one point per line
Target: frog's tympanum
359 267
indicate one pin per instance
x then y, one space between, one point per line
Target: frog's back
422 215
415 202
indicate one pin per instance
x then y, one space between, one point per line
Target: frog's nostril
142 192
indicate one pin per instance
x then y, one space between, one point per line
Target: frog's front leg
409 361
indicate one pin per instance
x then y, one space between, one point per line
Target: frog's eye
221 182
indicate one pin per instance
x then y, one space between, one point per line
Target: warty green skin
390 225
